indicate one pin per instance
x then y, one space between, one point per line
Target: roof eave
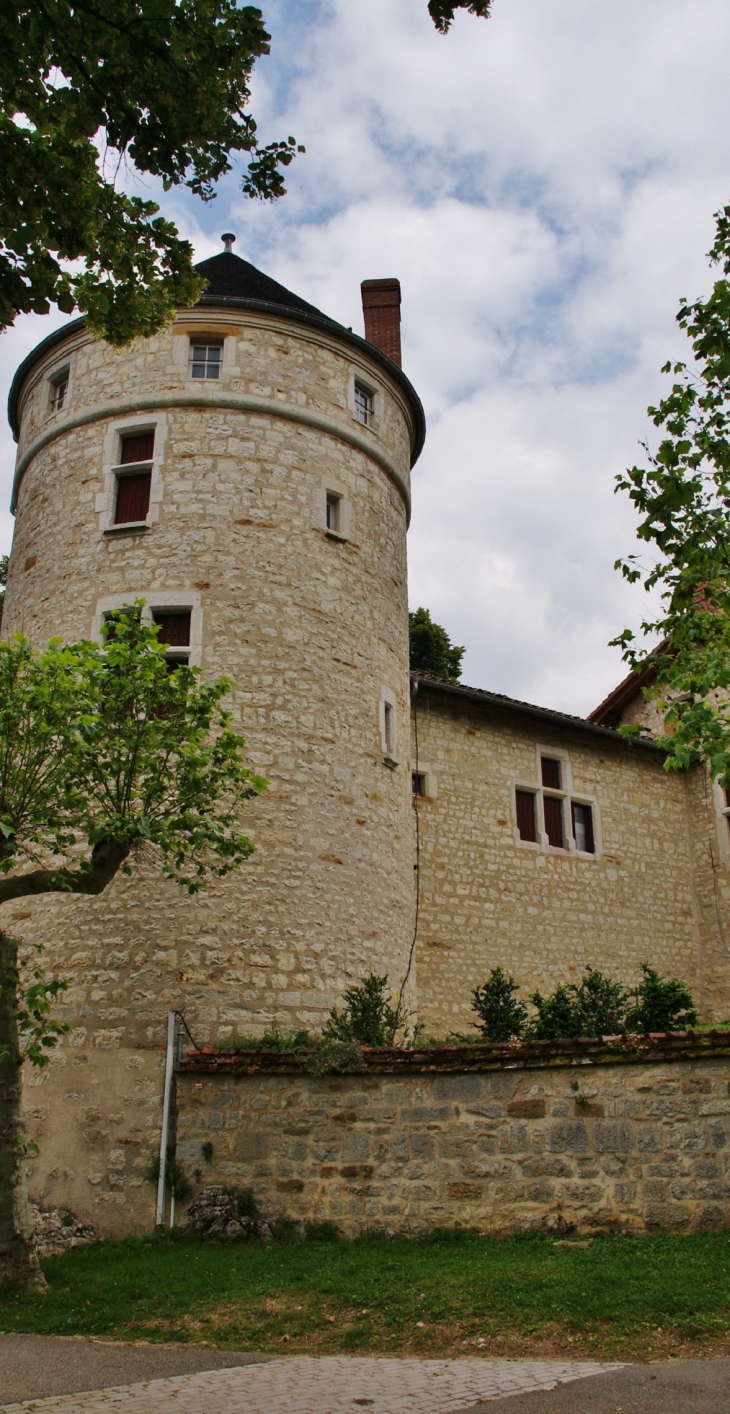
299 316
528 709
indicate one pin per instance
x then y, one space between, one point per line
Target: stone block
613 1136
533 1108
465 1088
567 1136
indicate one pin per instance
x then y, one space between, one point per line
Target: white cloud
543 184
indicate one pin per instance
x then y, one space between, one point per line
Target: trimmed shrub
367 1017
660 1004
501 1016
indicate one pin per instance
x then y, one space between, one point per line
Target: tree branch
106 859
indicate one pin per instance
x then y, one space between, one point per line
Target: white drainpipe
169 1070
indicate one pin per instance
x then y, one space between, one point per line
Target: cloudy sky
543 183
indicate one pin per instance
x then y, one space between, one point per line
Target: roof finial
228 240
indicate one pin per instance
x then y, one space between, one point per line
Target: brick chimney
381 311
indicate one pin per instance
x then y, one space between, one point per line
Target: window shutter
550 773
583 827
525 810
139 448
553 809
133 498
174 628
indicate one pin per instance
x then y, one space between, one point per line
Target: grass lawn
634 1297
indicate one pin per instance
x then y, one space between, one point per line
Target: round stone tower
246 472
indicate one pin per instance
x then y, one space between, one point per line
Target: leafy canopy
683 498
105 752
91 88
431 649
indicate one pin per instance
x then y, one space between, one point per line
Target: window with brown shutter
583 827
138 447
174 627
550 773
553 812
133 498
525 811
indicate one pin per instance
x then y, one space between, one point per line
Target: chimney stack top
381 313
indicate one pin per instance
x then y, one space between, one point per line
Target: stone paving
330 1385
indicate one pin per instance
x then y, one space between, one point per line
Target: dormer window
364 404
58 390
206 356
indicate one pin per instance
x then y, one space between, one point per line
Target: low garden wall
573 1135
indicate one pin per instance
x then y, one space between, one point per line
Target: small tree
367 1017
660 1004
683 499
105 754
596 1006
501 1016
431 649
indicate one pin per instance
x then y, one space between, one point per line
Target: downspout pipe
169 1073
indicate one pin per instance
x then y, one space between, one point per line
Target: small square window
364 404
583 827
59 390
525 811
133 498
174 626
139 447
550 773
205 359
333 513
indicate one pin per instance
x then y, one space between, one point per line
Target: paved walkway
667 1387
327 1385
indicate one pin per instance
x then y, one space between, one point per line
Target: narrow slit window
333 512
364 404
553 812
59 390
418 783
206 358
550 773
525 810
133 498
389 728
583 828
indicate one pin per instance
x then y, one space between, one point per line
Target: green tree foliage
367 1016
105 754
596 1006
3 582
660 1004
683 498
431 649
88 89
501 1016
442 12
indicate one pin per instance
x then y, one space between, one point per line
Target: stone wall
574 1135
310 627
656 888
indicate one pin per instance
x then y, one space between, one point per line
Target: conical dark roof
230 277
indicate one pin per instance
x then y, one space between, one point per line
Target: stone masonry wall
600 1146
309 627
488 900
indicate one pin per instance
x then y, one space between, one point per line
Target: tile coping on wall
655 1048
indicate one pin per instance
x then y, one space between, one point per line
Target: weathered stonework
577 1145
310 627
656 888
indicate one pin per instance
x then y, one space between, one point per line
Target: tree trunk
19 1268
